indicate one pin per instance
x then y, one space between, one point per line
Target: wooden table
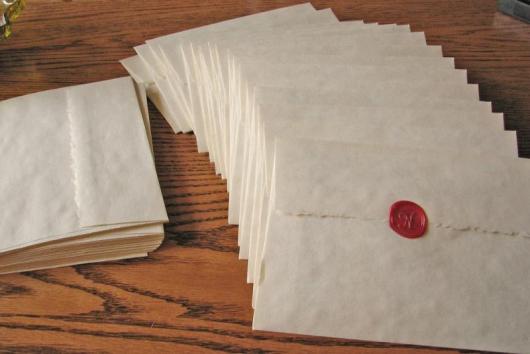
191 294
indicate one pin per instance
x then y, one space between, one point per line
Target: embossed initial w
406 220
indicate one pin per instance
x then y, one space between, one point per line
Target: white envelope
178 60
284 70
96 175
278 69
282 66
162 45
113 166
333 266
164 59
420 93
205 127
251 42
302 75
368 45
164 63
166 49
24 155
272 41
444 128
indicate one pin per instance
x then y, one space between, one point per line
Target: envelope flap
457 190
36 182
115 175
138 70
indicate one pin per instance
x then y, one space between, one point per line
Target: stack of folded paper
377 198
78 180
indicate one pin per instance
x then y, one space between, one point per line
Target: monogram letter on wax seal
408 219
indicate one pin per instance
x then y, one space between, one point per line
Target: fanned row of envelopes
78 181
377 198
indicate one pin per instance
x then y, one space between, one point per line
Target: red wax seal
408 219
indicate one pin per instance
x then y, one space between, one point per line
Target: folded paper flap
36 186
112 156
149 60
138 70
456 190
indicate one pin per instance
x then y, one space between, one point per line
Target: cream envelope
173 69
216 127
378 93
313 75
185 54
283 97
164 52
159 53
333 266
280 54
282 70
442 128
149 57
303 51
111 157
87 184
181 81
248 42
341 44
268 65
161 45
220 165
337 49
52 192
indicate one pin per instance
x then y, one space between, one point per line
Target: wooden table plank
191 295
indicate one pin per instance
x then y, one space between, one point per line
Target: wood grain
191 295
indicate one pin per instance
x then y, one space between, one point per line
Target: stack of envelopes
377 198
78 180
